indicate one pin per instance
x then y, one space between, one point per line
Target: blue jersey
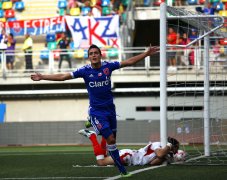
98 82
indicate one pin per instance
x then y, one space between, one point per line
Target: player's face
94 56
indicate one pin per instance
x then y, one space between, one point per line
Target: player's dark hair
96 47
173 141
11 35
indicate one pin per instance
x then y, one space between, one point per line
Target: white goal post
207 24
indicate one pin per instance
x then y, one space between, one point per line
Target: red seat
158 2
223 41
56 54
9 13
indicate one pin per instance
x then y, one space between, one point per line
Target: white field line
79 166
136 171
35 178
92 166
195 158
40 154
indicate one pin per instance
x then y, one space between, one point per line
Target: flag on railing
35 26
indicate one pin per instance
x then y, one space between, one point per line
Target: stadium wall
128 108
129 132
65 133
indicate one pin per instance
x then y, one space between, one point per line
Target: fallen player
152 154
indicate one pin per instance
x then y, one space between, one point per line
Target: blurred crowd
94 8
192 55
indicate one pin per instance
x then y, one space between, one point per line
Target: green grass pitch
59 162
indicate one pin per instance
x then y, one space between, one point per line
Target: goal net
193 99
185 21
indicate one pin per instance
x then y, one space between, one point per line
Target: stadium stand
39 9
19 6
26 9
75 11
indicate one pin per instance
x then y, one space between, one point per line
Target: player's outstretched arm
162 152
51 77
160 155
133 60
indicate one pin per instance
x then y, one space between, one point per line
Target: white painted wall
76 109
46 110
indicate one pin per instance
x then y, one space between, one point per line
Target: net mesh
204 24
185 85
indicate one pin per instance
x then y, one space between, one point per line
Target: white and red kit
142 156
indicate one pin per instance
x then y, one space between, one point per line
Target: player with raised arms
97 77
152 154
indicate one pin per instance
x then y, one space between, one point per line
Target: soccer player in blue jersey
97 76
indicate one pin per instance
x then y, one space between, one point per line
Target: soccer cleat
126 175
86 132
87 124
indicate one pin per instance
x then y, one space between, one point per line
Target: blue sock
114 153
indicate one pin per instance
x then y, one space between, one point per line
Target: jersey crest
106 71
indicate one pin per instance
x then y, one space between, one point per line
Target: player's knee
100 163
111 139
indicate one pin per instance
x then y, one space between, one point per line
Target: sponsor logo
91 75
99 83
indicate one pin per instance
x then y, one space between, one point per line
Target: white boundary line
35 178
39 154
136 171
105 178
92 166
195 158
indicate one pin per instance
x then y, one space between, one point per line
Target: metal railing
50 62
183 59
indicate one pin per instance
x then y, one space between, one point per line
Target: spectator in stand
71 4
185 41
121 12
179 52
194 54
63 45
178 2
3 39
216 51
171 39
209 10
97 9
193 35
11 43
27 48
3 45
87 12
116 4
